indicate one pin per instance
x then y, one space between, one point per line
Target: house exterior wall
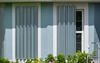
47 28
94 27
97 29
8 31
91 26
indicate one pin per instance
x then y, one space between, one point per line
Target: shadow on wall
97 27
46 15
97 20
2 32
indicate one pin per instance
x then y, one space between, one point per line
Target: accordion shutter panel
61 29
26 31
66 27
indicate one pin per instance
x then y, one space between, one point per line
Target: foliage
61 58
35 60
72 59
41 59
28 61
93 55
2 60
49 58
80 57
17 61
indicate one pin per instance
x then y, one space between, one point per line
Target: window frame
81 32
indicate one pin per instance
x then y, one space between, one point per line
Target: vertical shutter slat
24 32
20 30
58 30
36 31
66 29
61 29
27 33
17 32
30 32
32 15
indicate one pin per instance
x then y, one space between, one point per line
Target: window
79 20
78 41
81 28
78 30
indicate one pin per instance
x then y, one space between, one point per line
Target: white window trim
13 27
83 6
54 31
13 33
82 35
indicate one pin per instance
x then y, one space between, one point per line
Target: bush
41 59
61 58
17 61
2 60
70 58
35 60
80 57
49 58
28 61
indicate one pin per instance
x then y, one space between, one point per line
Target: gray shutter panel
72 32
66 37
61 30
67 31
26 32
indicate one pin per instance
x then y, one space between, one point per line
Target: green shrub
72 59
41 59
69 58
2 60
35 60
16 61
28 61
80 57
61 58
49 58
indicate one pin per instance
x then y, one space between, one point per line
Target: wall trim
54 31
13 33
39 31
